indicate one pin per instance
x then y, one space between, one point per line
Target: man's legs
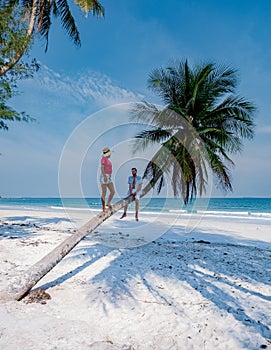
136 209
124 212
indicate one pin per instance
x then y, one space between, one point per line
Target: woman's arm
103 172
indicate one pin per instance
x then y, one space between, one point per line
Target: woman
105 179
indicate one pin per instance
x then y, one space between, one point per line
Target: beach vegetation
37 18
201 124
12 38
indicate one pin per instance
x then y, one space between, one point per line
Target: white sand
125 287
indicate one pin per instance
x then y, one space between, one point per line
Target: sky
80 98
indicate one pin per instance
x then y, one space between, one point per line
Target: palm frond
221 172
91 6
222 80
234 115
67 21
144 111
221 141
148 137
44 20
198 83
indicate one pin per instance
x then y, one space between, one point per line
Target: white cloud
59 102
86 87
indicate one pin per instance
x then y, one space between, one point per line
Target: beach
170 281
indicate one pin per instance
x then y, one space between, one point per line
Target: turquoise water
214 206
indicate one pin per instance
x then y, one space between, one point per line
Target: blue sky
112 67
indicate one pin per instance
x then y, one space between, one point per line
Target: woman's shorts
108 179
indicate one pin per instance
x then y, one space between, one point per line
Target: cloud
83 88
59 102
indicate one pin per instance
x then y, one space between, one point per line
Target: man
135 185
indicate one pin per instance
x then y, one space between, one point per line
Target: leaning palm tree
38 14
23 283
200 127
203 122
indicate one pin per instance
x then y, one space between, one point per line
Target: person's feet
123 216
136 217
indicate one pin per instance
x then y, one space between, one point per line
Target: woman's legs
111 194
104 186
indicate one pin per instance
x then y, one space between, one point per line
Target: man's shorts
137 195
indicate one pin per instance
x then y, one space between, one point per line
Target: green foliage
46 9
12 31
18 19
12 38
204 121
91 6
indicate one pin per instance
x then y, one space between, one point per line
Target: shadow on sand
215 270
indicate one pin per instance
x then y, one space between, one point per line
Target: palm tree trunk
29 278
17 56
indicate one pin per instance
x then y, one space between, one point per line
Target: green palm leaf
91 6
67 21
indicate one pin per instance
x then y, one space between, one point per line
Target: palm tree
38 14
200 127
202 122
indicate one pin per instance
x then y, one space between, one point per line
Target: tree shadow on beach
92 254
14 227
15 230
218 272
34 220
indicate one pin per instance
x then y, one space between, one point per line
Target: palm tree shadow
15 230
95 253
17 227
209 269
212 270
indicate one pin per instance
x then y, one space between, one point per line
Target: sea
215 207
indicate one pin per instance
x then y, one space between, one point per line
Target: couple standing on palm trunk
134 183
